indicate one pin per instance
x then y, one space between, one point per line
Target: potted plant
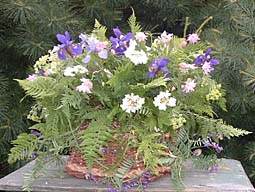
129 108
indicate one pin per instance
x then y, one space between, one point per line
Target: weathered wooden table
230 177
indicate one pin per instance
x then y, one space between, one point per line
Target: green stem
187 23
198 31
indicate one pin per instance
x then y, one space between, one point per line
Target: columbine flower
193 38
189 85
86 86
140 36
31 77
132 103
163 100
67 46
166 38
184 67
120 42
92 44
158 65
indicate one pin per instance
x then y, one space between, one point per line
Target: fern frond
71 99
40 88
134 26
124 168
218 127
40 169
151 151
23 147
121 78
205 161
145 111
154 83
99 30
93 138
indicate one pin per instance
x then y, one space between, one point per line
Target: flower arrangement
137 98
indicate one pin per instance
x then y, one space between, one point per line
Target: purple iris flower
159 65
214 145
36 132
120 42
67 46
93 45
201 59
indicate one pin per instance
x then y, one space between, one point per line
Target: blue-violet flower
67 46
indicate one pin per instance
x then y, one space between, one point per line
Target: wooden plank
230 177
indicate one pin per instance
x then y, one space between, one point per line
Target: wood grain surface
230 177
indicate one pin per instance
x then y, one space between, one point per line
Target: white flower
166 38
69 72
137 57
132 103
172 102
80 69
163 100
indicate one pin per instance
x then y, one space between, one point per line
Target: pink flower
207 68
193 38
86 86
184 67
101 45
184 44
140 36
189 85
31 77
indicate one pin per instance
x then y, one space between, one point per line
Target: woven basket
77 167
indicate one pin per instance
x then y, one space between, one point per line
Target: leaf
23 147
40 88
99 31
134 26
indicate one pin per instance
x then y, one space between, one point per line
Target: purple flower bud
213 169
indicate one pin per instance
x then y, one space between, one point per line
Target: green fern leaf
99 31
151 151
23 147
93 138
134 26
40 88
